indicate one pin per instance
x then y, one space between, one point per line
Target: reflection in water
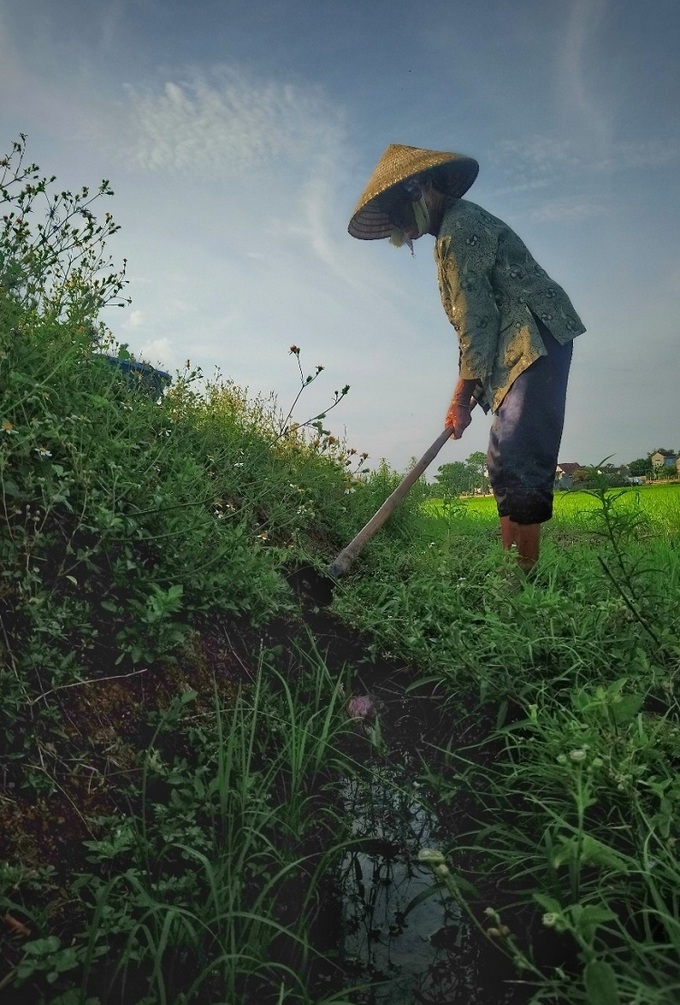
411 942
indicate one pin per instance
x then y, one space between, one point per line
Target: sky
238 137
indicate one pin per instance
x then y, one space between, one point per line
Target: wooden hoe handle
341 564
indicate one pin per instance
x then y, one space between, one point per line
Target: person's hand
459 417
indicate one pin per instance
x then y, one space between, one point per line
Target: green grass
573 510
576 783
166 819
169 821
218 881
130 526
208 885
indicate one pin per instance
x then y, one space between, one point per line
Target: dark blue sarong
525 436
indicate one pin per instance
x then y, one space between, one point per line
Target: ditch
400 934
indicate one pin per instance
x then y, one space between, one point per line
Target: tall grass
567 686
211 885
133 525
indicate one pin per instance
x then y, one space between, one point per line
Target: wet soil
432 953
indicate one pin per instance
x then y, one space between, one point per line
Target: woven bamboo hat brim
453 174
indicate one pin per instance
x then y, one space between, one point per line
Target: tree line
468 477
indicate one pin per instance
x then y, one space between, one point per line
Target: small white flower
43 452
431 856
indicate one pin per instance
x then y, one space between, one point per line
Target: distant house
564 474
665 463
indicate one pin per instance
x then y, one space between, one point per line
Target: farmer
515 325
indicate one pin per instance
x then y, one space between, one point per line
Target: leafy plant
53 265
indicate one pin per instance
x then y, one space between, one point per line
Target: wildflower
295 350
43 452
578 755
362 707
549 919
8 428
263 536
500 933
430 856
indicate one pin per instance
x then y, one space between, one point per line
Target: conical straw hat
454 175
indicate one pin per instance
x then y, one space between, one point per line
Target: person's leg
523 446
525 537
508 533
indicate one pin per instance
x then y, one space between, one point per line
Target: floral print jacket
491 286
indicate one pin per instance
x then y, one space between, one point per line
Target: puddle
401 933
389 935
401 946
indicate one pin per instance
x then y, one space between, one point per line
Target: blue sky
238 136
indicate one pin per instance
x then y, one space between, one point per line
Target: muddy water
400 932
393 930
402 947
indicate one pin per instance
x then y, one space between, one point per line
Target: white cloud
584 104
227 122
134 319
659 153
537 155
566 209
538 161
160 351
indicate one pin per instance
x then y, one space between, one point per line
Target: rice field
575 511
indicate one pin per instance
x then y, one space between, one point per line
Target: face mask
413 193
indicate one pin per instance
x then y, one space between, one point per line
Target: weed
130 520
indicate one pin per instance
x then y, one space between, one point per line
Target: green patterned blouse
490 284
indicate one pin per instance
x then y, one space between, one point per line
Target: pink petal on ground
362 707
